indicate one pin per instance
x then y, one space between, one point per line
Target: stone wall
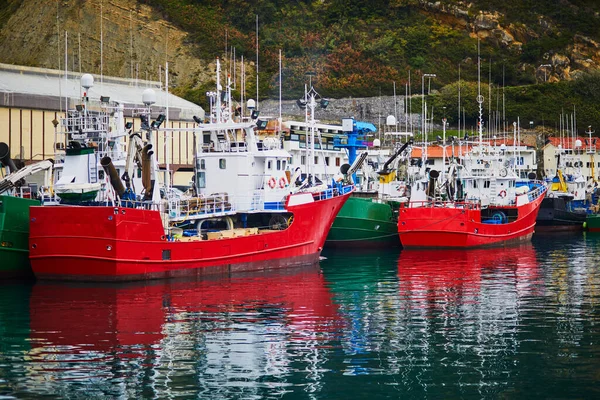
368 109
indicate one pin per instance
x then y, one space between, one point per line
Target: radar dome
251 104
148 97
376 143
87 81
578 143
390 120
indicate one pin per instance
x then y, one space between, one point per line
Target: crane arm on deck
11 180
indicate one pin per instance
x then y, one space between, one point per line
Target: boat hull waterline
455 227
116 243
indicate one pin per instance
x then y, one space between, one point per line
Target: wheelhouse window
278 165
337 161
269 164
202 164
201 179
222 163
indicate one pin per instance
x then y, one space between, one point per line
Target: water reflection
233 335
517 322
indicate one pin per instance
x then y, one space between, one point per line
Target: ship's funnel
5 158
433 175
146 169
110 170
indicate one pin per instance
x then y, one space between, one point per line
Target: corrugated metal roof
17 83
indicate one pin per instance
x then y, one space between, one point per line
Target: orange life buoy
272 183
502 194
282 182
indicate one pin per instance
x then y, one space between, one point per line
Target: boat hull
116 244
592 223
14 236
365 223
456 227
555 216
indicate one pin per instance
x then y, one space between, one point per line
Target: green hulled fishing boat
369 218
14 236
364 222
592 223
15 200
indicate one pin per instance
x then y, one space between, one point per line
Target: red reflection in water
102 318
456 275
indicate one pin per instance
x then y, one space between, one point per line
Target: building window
327 161
338 162
486 184
316 160
202 164
222 163
303 160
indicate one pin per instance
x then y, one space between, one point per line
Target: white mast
257 61
459 136
66 74
410 103
101 49
218 99
280 79
479 96
130 44
167 134
242 88
395 104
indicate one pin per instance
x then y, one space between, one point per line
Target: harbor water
520 322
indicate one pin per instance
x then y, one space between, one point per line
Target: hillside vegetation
355 48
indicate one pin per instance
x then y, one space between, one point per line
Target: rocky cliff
356 48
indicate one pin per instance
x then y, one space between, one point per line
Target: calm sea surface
517 323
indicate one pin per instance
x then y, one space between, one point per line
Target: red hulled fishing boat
118 243
244 211
435 223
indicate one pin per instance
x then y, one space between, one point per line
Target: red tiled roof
567 143
438 151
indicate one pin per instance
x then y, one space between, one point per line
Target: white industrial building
32 98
